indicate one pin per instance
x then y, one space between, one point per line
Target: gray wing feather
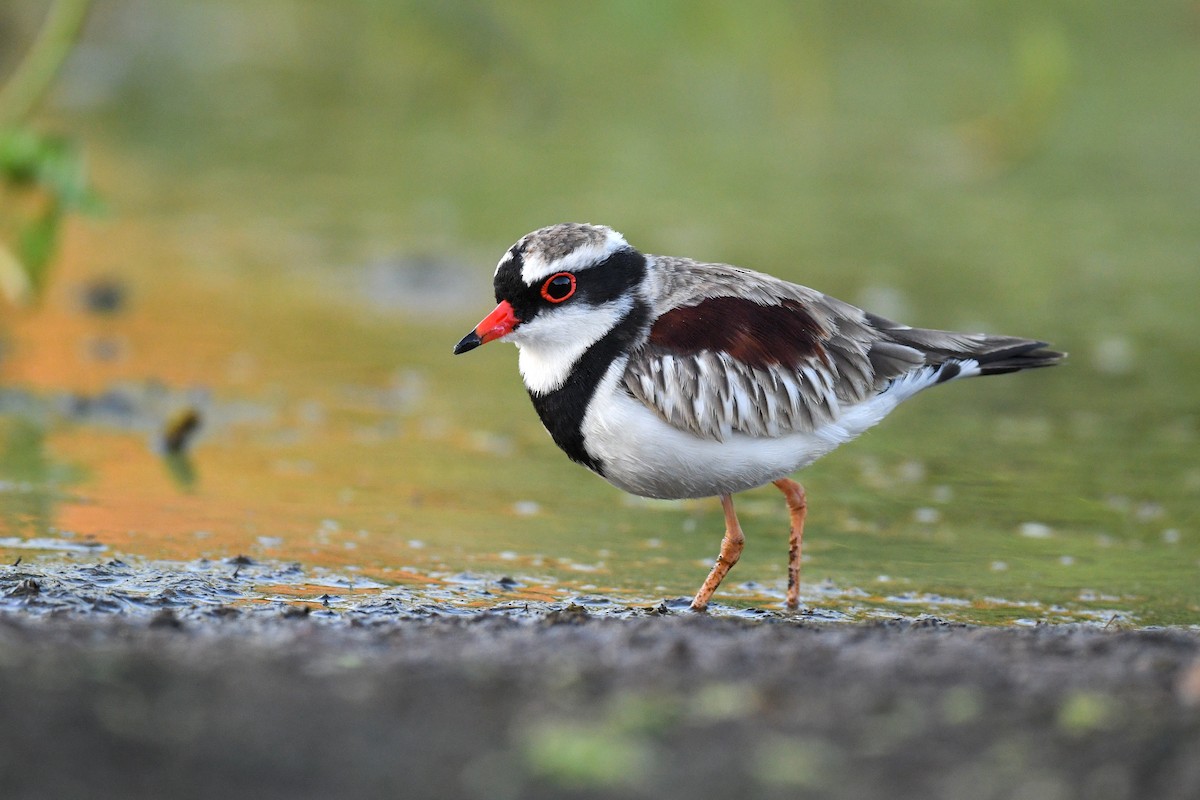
710 393
713 395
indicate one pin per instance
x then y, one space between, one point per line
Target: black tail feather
995 355
1029 355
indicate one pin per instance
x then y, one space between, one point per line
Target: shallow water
298 235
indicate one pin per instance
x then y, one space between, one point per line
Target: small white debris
1114 355
526 508
883 578
415 544
910 472
507 555
1171 536
1035 530
654 543
1066 561
999 566
1149 511
871 472
927 516
942 493
270 541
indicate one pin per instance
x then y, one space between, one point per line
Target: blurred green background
305 202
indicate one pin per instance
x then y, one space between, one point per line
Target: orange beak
495 325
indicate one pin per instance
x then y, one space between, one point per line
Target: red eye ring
554 290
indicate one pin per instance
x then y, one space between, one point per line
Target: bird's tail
995 355
1019 354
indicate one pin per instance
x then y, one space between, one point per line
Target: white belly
646 456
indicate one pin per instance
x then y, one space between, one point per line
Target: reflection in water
30 484
176 442
180 468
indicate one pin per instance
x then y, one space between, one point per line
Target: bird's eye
559 287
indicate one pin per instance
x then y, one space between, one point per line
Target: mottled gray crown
565 247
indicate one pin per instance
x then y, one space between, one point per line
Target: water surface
304 219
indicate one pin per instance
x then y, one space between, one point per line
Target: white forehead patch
537 265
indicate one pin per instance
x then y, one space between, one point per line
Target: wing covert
732 364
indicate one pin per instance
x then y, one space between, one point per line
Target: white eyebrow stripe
536 268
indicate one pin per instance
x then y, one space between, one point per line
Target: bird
674 378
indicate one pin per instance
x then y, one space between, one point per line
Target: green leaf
19 153
37 241
14 279
51 163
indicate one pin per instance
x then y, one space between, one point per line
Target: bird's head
560 289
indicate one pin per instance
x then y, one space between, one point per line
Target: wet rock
28 587
104 296
570 615
659 610
179 430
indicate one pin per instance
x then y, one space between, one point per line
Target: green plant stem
20 96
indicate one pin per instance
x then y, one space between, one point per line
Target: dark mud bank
565 703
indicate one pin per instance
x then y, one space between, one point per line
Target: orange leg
731 551
797 504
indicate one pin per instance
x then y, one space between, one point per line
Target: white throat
553 342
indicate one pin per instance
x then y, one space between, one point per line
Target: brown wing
773 359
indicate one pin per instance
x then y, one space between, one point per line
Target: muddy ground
403 699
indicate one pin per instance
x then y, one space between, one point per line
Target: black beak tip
469 342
